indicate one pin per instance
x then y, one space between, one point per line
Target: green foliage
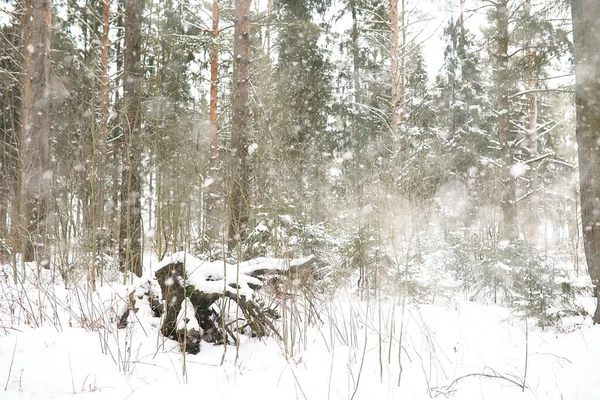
292 124
302 86
461 101
420 108
369 268
287 237
543 291
420 158
302 9
361 253
517 275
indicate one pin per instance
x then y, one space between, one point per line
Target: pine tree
586 37
239 201
211 195
301 86
461 101
36 177
130 232
362 99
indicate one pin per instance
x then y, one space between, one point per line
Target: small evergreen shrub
520 276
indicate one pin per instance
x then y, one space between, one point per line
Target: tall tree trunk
238 197
533 112
115 158
103 128
462 117
532 142
36 176
355 55
509 229
356 140
99 229
403 62
462 33
586 35
130 229
463 72
395 71
454 87
211 187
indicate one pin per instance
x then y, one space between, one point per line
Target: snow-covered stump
179 323
170 280
191 289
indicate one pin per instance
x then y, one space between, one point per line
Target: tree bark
355 55
508 229
103 128
532 134
462 41
238 198
532 142
211 192
402 104
130 230
36 176
99 229
355 136
586 35
394 51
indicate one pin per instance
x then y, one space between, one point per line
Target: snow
252 148
517 170
186 318
217 276
353 353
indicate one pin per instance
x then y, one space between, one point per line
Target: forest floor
70 348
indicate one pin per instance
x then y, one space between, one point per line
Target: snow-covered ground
70 348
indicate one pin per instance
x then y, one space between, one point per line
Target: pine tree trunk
36 176
403 62
394 51
130 234
354 132
355 55
238 197
462 36
99 229
103 128
532 134
532 145
509 229
211 188
115 158
586 35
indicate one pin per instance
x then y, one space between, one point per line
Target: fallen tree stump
191 289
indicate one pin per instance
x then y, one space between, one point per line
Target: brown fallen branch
491 374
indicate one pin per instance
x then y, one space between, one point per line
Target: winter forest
309 199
